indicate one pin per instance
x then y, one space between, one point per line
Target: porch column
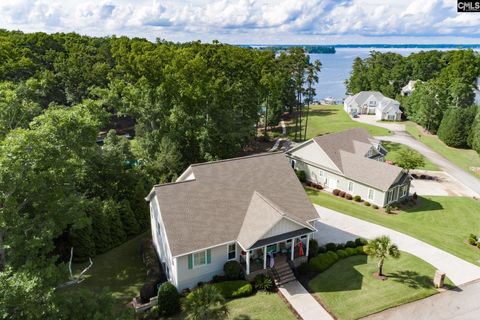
265 257
248 262
308 244
292 253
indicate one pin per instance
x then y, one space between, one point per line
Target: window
199 258
320 173
371 194
232 251
294 163
350 186
404 190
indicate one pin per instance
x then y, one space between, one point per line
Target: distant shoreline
368 46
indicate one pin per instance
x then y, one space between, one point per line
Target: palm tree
205 303
382 248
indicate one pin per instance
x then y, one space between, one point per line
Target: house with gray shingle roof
351 161
373 103
242 209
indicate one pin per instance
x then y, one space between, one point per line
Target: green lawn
350 291
393 148
444 222
120 269
464 158
262 306
329 119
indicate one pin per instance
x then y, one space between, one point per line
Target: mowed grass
464 158
261 306
444 222
393 148
350 291
332 118
121 270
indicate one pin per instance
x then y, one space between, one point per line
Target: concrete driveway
461 176
371 120
460 304
442 185
334 225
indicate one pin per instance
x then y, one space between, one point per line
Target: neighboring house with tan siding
238 209
352 161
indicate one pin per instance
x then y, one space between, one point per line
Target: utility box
439 279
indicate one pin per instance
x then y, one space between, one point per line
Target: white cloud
245 20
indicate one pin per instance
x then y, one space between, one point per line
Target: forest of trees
59 188
443 99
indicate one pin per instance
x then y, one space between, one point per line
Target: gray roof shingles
211 209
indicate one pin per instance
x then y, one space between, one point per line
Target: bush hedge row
325 260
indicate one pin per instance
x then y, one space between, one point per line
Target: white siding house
373 103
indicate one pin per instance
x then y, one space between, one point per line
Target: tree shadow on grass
242 317
414 280
424 204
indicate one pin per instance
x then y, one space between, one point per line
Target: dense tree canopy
69 177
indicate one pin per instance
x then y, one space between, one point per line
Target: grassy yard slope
393 148
444 222
120 269
464 158
329 119
350 291
262 306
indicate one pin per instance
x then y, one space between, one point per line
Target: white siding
283 226
188 278
160 241
342 183
312 152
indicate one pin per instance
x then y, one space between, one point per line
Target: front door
331 183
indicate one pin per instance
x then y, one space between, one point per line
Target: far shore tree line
60 188
443 100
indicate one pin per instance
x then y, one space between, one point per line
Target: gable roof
383 104
348 149
227 194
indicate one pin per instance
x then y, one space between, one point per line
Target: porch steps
282 273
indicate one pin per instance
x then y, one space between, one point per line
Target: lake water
337 67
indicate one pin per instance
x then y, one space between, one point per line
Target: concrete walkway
303 302
458 270
462 304
463 177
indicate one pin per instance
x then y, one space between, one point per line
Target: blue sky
251 21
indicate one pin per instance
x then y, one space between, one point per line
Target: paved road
303 302
463 304
463 177
458 270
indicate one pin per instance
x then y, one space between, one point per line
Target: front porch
285 248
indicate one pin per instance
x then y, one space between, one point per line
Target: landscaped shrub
219 278
374 206
322 249
232 270
478 244
342 194
323 261
348 196
360 242
388 209
301 175
168 300
351 251
350 244
309 184
360 250
340 246
341 253
414 196
331 246
336 192
472 239
263 282
367 203
313 248
357 198
148 290
234 289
